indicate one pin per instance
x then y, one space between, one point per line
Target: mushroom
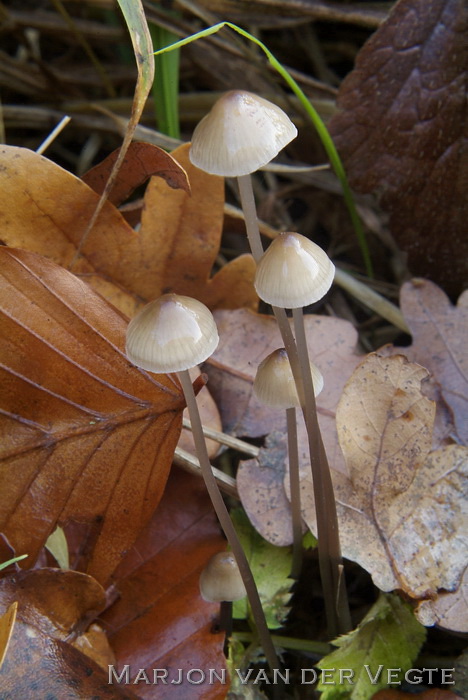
173 334
294 272
221 582
274 386
240 134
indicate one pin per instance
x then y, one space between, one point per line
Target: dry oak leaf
245 340
401 132
53 607
160 620
45 209
85 436
440 341
402 510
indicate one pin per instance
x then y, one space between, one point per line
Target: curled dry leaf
402 509
160 620
141 161
85 436
401 132
245 340
53 606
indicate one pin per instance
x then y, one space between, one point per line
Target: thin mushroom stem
250 215
329 549
226 523
295 488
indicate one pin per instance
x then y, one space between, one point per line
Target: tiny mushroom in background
221 582
173 334
241 133
274 386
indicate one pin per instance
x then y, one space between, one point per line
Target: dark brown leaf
85 436
401 132
141 161
53 606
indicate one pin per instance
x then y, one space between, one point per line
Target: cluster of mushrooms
174 333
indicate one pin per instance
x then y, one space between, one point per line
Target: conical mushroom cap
221 580
274 383
241 133
294 272
171 334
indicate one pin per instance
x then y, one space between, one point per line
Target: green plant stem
295 488
226 522
307 645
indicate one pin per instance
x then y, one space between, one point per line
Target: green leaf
389 637
270 568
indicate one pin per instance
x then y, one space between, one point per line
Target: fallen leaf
401 130
401 510
440 338
45 209
141 161
7 623
86 437
245 340
181 238
160 620
449 610
53 605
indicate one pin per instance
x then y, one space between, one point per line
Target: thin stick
224 439
190 463
53 134
226 523
295 487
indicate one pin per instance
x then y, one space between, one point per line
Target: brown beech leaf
402 510
141 161
440 340
245 340
160 620
45 209
401 132
85 436
53 606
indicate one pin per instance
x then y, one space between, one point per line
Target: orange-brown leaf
86 437
160 620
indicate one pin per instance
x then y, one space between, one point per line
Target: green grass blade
166 87
320 127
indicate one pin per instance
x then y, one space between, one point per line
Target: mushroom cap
274 383
171 334
293 272
221 580
241 133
